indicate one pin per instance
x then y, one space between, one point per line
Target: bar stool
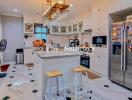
79 71
50 75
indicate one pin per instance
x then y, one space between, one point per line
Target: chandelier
56 8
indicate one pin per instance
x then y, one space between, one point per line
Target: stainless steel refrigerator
121 53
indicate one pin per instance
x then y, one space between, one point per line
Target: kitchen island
48 61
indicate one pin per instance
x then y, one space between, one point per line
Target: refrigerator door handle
124 59
122 31
125 47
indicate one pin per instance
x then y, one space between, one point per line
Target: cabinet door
99 64
117 5
28 56
99 13
87 23
129 3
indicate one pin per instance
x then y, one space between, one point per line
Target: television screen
100 40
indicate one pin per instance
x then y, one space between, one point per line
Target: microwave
99 40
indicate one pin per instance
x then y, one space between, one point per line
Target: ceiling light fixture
56 8
15 10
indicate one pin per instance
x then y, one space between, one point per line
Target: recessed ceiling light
15 10
71 5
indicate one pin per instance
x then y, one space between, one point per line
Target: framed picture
69 29
75 28
28 28
55 29
63 29
80 26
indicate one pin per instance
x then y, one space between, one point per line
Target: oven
85 60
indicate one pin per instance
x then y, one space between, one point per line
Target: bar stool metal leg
57 80
50 92
76 85
44 89
81 81
63 88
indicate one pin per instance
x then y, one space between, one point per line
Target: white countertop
52 54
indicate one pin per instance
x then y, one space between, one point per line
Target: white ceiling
35 7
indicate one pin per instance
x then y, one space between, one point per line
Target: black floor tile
12 76
30 73
106 86
13 71
32 80
34 91
9 85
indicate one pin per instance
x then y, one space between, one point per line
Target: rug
29 65
92 75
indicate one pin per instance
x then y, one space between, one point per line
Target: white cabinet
99 57
117 5
99 17
28 56
99 61
87 23
99 64
129 3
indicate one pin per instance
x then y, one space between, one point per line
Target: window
40 31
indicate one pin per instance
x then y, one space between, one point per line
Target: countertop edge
57 56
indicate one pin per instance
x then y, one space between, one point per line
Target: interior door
117 74
128 72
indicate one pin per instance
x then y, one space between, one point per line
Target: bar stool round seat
79 69
54 73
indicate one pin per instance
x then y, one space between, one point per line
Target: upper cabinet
117 5
87 24
99 17
76 28
129 3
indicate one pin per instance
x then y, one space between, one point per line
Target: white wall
87 37
61 39
12 28
32 19
70 20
